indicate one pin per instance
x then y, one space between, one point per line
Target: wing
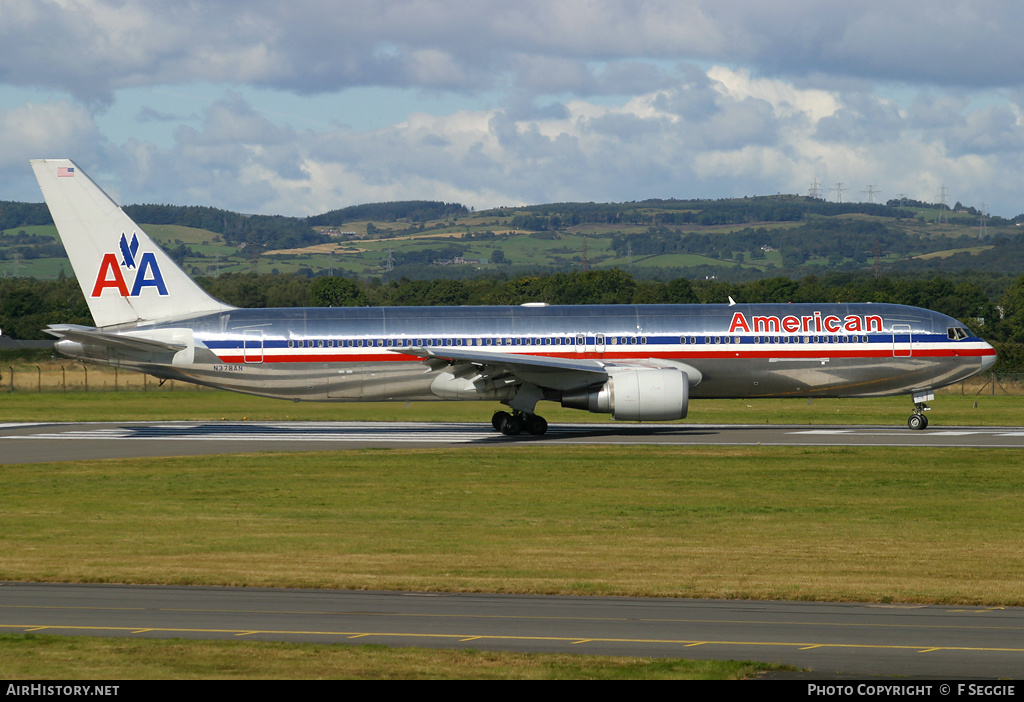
546 372
539 377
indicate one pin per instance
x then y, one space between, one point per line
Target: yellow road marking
803 645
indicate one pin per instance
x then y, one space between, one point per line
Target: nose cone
989 360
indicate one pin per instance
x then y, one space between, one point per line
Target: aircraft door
252 346
902 339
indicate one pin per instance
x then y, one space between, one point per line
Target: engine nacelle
637 394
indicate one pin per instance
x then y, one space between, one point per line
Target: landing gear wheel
917 419
536 425
511 425
499 418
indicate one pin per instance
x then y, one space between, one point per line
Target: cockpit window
957 333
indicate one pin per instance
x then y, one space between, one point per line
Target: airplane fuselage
353 354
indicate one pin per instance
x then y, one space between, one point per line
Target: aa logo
146 271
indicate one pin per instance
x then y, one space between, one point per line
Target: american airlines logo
815 323
146 271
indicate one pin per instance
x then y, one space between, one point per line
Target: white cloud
91 48
580 99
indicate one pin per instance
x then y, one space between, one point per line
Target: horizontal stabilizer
95 337
176 346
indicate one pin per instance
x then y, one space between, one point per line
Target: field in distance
750 237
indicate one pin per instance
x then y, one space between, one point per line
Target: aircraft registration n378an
636 362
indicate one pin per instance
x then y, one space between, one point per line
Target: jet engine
636 394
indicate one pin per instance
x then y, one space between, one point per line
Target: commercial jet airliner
636 362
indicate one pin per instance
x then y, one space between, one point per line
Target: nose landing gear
917 419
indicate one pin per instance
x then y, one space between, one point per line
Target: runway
38 442
855 639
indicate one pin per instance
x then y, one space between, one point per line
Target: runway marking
297 432
343 435
519 617
904 432
800 645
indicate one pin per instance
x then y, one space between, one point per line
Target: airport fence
83 377
988 384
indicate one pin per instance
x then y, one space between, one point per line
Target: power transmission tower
981 226
839 189
943 196
870 192
815 191
901 198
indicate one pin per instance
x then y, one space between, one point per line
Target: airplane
636 362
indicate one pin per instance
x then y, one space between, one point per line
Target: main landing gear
917 419
516 422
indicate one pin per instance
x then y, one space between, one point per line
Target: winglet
124 275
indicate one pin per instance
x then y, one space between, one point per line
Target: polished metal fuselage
361 354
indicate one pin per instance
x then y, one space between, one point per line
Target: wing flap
543 371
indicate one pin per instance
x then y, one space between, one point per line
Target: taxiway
829 638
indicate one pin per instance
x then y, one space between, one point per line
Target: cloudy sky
304 106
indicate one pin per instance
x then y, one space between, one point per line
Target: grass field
834 524
28 657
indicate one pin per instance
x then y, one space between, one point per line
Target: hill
734 239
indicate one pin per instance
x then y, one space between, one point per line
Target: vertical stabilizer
124 275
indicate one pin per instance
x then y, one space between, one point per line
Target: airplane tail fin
124 275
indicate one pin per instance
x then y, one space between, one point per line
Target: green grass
836 524
32 657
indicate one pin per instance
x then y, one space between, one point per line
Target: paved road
29 443
858 639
